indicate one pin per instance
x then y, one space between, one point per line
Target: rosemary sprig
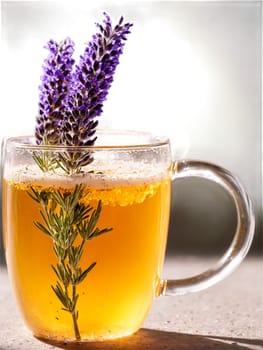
66 218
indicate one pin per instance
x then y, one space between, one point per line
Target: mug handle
244 231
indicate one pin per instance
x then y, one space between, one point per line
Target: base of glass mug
60 341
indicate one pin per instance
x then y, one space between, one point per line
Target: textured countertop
228 316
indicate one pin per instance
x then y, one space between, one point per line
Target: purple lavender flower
54 91
92 80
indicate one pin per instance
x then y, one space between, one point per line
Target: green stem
74 315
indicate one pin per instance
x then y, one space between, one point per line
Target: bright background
191 70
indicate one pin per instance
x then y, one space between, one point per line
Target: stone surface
227 316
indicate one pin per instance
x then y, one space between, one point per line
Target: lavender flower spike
92 80
54 91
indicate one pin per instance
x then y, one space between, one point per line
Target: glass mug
97 285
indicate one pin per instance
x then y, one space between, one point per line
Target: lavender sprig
92 80
71 101
54 91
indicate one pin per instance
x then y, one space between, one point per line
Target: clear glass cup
85 231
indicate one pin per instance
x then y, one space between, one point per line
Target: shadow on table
155 340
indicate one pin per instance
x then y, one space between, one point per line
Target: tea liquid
117 294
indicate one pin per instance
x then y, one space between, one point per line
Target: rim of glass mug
115 139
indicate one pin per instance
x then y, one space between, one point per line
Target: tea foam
108 175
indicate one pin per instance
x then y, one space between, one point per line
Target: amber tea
116 295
